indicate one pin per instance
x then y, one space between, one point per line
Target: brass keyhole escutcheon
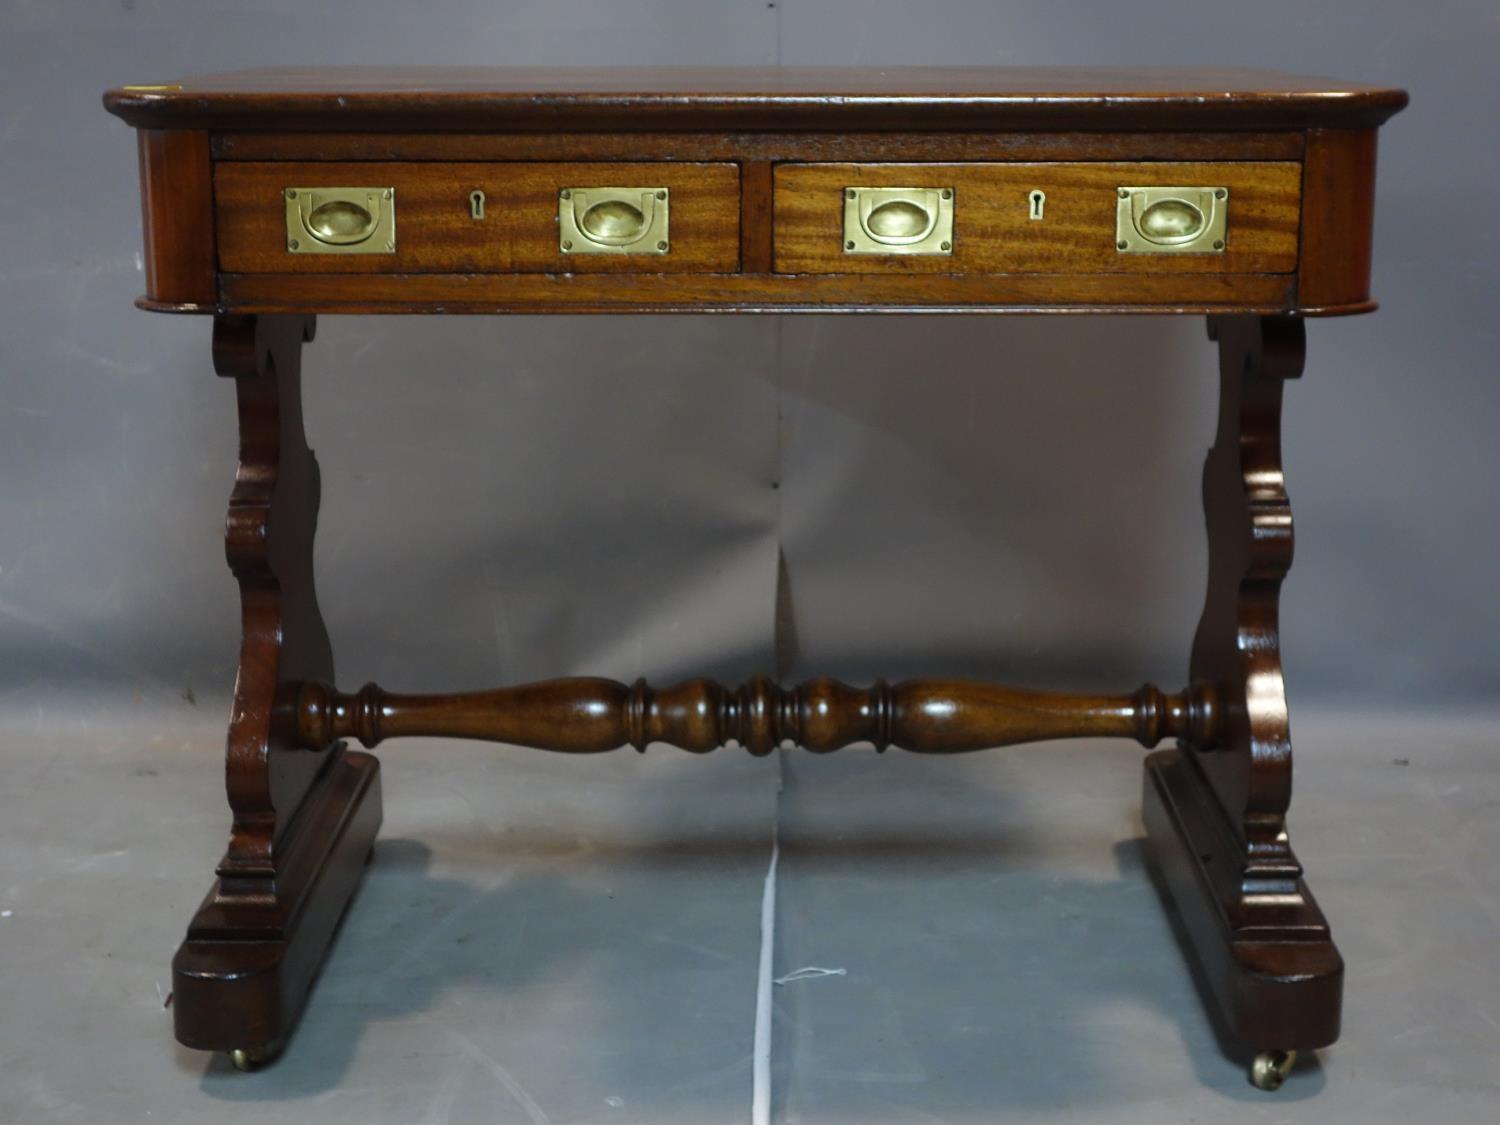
476 204
1037 201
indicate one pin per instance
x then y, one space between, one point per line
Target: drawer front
436 230
994 230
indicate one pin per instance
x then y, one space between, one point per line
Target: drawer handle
340 220
899 222
887 220
613 220
1171 220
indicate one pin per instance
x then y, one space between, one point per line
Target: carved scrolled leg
1217 821
303 818
588 716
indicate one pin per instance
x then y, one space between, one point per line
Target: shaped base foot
1273 977
242 976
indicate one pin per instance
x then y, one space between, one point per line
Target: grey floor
544 939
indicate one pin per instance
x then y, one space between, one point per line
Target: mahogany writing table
270 196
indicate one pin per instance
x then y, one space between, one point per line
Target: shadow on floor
1000 974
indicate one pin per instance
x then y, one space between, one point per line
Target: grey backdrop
515 498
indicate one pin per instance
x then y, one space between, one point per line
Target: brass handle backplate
613 220
1171 220
340 220
898 220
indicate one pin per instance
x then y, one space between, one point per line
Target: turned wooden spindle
590 715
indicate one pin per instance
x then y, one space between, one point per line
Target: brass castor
1270 1068
250 1060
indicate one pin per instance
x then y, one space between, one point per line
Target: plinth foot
1273 977
242 976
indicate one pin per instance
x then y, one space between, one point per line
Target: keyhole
476 204
1038 202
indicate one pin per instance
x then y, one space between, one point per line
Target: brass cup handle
340 220
337 219
618 220
898 220
1171 220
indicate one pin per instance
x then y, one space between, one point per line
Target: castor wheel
1270 1068
247 1061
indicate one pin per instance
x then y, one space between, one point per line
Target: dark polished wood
519 234
994 235
757 195
811 147
997 294
757 162
590 716
1338 189
177 218
1249 523
1217 821
645 99
733 250
303 818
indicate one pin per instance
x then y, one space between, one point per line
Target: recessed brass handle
1171 220
340 220
614 220
898 220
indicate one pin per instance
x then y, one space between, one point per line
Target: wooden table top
653 98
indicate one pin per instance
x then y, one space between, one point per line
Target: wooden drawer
993 231
436 234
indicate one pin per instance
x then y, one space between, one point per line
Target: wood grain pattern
242 975
434 230
403 117
562 293
1216 820
1338 218
1250 538
993 231
648 99
177 217
757 243
802 146
268 542
757 160
1272 977
589 715
303 819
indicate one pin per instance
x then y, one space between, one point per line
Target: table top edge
360 98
